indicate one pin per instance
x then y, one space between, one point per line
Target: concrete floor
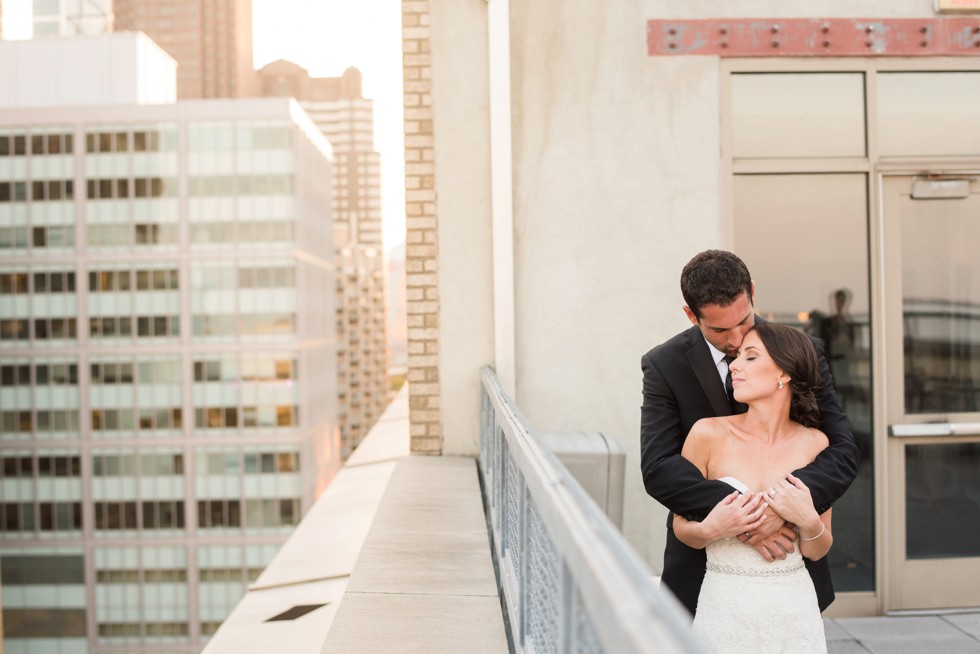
957 633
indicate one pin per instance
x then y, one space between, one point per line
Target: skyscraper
167 358
337 106
210 39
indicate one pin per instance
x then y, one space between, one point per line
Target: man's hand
776 545
770 525
773 538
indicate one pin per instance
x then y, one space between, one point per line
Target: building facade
337 106
167 363
210 39
397 318
576 161
72 18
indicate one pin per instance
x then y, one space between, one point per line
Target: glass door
931 273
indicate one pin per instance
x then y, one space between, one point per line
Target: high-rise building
72 17
338 108
167 358
210 39
397 314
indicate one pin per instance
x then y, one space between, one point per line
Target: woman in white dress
748 605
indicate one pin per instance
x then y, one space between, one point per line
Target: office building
167 357
210 39
337 106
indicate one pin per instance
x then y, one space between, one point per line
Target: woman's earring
780 384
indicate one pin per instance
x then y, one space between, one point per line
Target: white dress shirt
720 363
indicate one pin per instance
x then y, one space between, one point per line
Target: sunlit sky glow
325 37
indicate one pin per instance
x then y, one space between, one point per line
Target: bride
746 603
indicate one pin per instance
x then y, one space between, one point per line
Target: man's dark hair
714 277
794 354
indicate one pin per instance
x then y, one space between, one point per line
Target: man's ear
690 316
752 299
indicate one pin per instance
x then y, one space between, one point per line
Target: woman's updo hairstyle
794 354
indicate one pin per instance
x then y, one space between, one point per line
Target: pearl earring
780 385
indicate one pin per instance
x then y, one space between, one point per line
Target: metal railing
570 581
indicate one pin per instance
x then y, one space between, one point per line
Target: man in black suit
684 380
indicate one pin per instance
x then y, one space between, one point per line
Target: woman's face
754 373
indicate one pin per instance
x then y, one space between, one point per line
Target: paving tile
420 563
845 647
889 628
966 622
909 635
410 624
923 645
834 631
412 512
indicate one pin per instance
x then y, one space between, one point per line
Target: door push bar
935 429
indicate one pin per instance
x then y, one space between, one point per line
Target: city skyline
325 38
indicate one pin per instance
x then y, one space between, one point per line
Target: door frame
874 602
889 450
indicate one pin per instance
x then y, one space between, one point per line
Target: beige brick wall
421 253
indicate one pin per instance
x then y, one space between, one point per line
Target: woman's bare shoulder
706 430
816 439
702 441
710 426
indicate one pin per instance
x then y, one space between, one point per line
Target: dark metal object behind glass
804 238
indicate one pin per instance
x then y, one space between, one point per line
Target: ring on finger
772 492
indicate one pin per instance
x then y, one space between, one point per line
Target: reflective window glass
931 113
941 497
941 303
798 115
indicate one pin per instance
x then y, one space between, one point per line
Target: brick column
421 247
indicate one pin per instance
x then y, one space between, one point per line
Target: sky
326 37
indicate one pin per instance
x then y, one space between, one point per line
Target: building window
13 283
213 514
111 516
44 516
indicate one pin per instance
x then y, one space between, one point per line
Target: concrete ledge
314 565
424 580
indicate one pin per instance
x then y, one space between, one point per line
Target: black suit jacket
681 385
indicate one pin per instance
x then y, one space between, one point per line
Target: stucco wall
616 185
460 100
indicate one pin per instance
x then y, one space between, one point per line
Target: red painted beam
815 37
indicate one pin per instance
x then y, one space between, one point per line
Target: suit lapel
699 356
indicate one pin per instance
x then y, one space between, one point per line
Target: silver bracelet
823 528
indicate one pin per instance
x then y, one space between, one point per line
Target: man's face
725 327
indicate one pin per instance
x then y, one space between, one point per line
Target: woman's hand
790 498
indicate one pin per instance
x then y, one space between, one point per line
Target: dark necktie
737 407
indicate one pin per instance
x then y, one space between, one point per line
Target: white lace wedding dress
750 606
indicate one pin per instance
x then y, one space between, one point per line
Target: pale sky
325 37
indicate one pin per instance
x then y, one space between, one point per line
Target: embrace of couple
744 440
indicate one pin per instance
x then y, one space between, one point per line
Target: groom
686 379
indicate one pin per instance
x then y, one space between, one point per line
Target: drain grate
296 612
